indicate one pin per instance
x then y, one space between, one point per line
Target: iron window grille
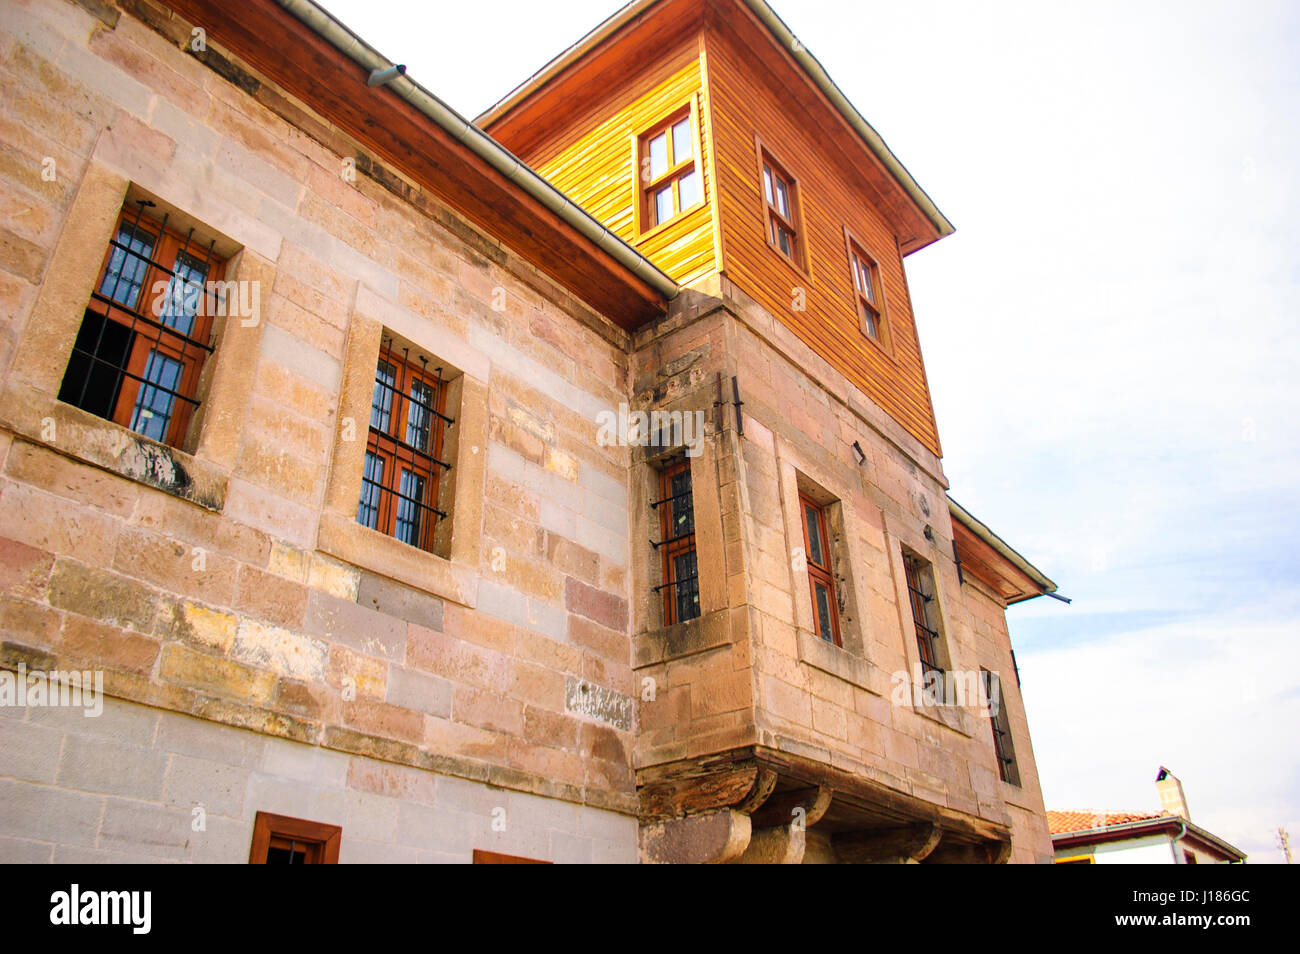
279 839
403 465
147 330
923 614
680 589
1003 748
821 579
670 177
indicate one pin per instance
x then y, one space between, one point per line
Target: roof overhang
297 45
1170 825
640 11
993 561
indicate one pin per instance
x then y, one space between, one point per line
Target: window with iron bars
821 574
147 331
1008 770
925 612
680 589
403 463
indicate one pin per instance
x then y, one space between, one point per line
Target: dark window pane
813 519
783 241
286 856
410 509
824 612
419 421
372 479
184 292
127 266
90 384
869 323
682 509
153 405
688 590
381 403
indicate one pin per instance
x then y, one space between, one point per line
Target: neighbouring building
1166 837
368 493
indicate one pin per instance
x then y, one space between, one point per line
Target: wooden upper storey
592 122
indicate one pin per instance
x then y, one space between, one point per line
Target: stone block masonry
275 673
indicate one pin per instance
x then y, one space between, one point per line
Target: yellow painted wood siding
590 158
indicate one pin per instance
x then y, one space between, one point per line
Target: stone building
367 495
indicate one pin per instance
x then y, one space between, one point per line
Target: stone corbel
908 845
711 838
780 825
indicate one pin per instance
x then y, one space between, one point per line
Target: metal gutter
1004 549
482 145
776 26
593 38
1153 826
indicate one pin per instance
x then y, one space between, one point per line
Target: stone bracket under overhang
757 805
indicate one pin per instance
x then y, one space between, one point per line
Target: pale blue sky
1110 337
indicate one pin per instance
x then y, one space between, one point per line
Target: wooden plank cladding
594 160
756 106
577 123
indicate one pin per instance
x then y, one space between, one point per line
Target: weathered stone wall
124 788
326 671
230 581
768 679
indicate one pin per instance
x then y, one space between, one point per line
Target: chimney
1172 798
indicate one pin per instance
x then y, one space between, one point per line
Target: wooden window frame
646 189
319 841
497 858
929 633
672 544
858 256
771 214
387 444
151 333
1004 749
820 573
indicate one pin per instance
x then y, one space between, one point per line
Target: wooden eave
633 38
582 77
990 559
305 65
734 23
981 561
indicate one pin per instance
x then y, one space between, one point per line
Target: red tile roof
1061 822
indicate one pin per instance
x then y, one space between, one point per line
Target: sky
1109 337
